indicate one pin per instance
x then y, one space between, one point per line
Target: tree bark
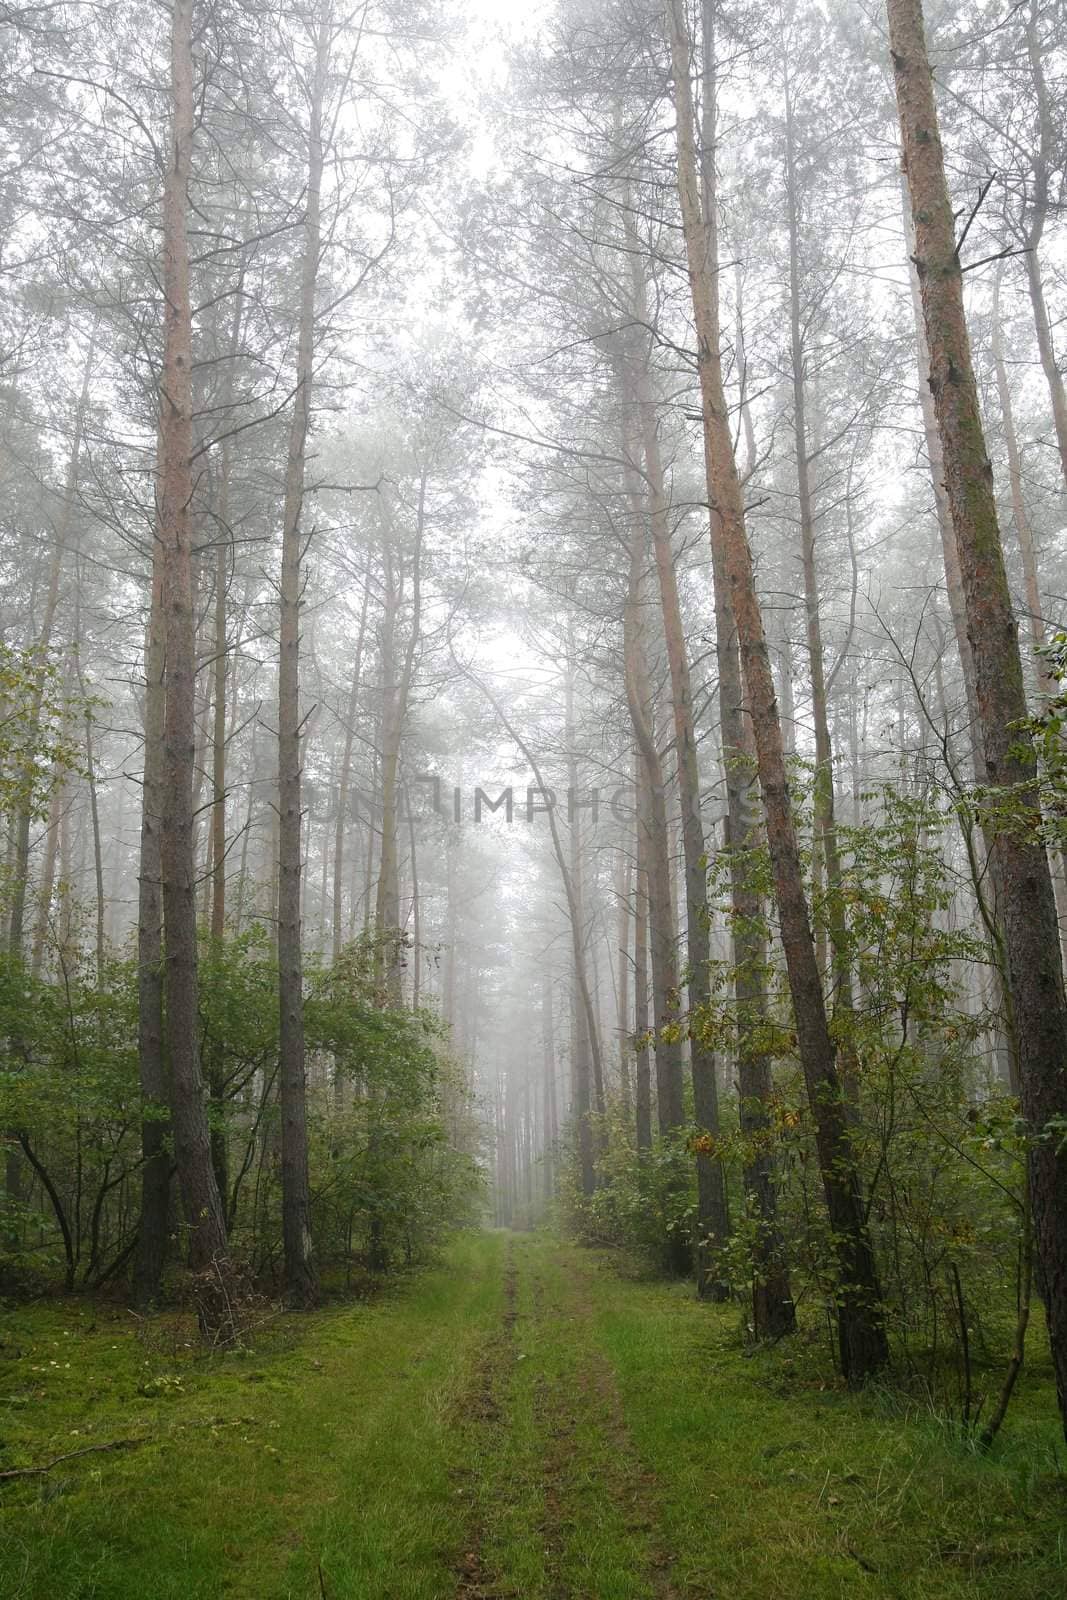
624 888
217 843
957 608
200 1195
1035 974
824 823
670 1111
1023 530
222 655
1034 611
151 1250
1043 164
548 1087
300 1279
21 865
642 1063
712 1219
652 827
94 807
584 1029
346 772
861 1330
396 691
589 1026
48 875
773 1312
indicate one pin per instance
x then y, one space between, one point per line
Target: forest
533 799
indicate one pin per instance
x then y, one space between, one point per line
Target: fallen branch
69 1455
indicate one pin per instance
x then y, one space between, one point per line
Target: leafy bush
388 1175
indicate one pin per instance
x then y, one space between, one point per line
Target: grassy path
520 1424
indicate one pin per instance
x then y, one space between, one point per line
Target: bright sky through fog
479 65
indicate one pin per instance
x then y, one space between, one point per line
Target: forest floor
523 1422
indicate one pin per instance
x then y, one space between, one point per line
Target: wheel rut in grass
546 1421
592 1402
480 1410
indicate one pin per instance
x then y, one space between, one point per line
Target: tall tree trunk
958 611
21 867
48 874
548 1085
652 821
773 1312
584 1025
221 651
396 691
218 730
1035 974
340 829
824 823
588 1023
712 1218
642 1060
387 891
151 1250
1032 589
953 578
624 890
1044 165
217 844
94 808
668 1046
861 1330
1047 351
1023 530
246 835
578 952
300 1280
416 925
200 1196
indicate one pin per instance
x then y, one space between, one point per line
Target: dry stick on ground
70 1455
113 1444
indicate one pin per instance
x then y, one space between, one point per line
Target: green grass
774 1483
523 1421
332 1443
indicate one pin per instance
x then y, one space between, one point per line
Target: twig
965 1342
983 191
1018 1354
862 1560
69 1455
1001 255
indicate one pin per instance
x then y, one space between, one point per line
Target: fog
509 632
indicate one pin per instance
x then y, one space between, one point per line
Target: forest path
619 1443
525 1421
562 1506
